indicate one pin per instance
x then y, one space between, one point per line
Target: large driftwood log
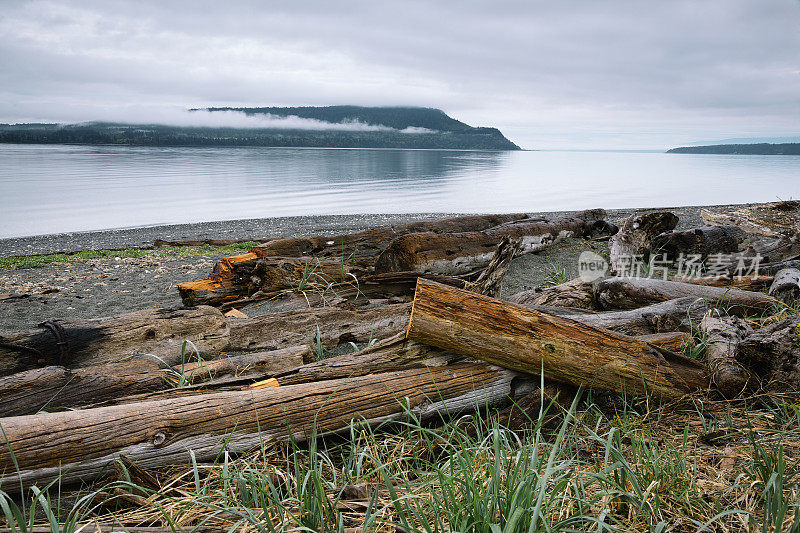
784 248
719 219
461 253
703 241
330 326
723 334
55 387
159 332
773 354
371 242
634 236
770 269
630 293
162 432
519 338
786 285
756 283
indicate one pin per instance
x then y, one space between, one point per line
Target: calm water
53 189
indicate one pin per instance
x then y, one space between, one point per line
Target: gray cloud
549 74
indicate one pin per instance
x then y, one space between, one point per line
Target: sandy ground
88 288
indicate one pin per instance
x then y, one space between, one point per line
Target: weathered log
461 253
770 269
162 432
330 326
750 283
55 387
159 332
371 242
786 286
672 315
773 354
703 241
574 293
491 279
719 219
634 236
158 243
722 335
630 293
244 275
522 339
784 248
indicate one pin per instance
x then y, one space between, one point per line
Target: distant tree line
741 149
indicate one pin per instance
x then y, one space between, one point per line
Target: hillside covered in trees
741 149
365 127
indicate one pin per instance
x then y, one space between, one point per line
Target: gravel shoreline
90 288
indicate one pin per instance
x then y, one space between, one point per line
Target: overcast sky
549 74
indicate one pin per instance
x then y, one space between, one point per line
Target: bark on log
55 387
723 335
522 339
491 279
371 242
634 236
461 253
773 354
719 219
674 341
158 332
630 293
770 269
786 286
162 432
336 326
785 248
703 241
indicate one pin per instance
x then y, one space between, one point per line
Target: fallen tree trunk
244 275
369 243
668 316
328 326
770 269
634 236
159 332
630 293
784 248
162 432
461 253
723 335
757 283
703 241
719 219
786 285
773 354
522 339
56 387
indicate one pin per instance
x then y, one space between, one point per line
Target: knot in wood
159 438
550 348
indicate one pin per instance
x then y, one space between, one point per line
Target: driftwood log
55 387
719 219
770 269
634 238
371 242
723 334
786 285
159 332
630 293
162 432
490 281
750 283
461 253
703 241
784 248
773 354
575 293
328 326
565 350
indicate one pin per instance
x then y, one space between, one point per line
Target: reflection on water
51 188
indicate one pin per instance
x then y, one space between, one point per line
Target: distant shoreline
740 149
